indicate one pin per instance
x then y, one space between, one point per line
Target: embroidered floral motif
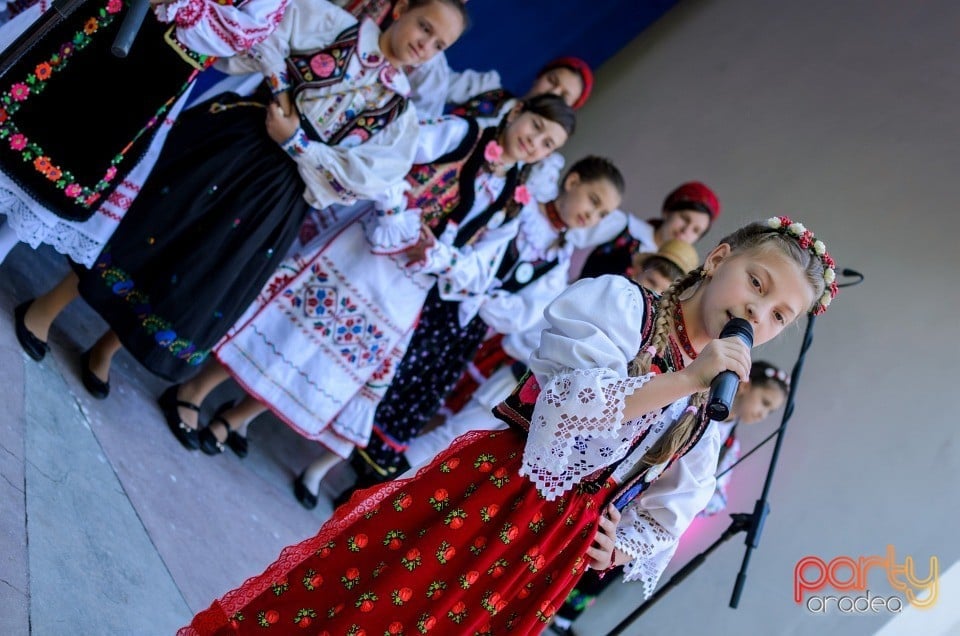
164 335
34 84
338 319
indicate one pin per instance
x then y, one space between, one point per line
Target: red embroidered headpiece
579 67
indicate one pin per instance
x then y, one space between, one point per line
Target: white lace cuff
651 546
393 230
578 427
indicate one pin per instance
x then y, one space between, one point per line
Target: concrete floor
108 525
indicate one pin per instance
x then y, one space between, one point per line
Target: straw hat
681 254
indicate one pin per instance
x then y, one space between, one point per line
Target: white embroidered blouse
578 427
356 168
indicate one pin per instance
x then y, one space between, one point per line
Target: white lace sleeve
577 427
651 525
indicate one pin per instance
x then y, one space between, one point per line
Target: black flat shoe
306 498
184 434
32 346
209 443
94 385
237 442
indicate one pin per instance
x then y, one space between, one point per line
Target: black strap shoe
169 404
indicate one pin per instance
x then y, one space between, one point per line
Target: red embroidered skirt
467 546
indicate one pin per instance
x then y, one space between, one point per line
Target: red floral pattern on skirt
468 546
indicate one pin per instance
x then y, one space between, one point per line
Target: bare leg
317 470
101 355
8 239
238 416
45 309
196 390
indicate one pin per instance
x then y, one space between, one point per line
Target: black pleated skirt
220 210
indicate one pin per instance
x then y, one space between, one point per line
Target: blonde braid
679 433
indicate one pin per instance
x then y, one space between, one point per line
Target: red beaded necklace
553 215
681 328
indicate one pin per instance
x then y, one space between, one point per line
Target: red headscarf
696 196
579 67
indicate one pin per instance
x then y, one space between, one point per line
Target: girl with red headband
687 213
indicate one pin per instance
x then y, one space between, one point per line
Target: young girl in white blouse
228 195
322 342
492 534
531 272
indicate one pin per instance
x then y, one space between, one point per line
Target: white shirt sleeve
429 86
581 364
210 28
396 227
507 312
651 524
466 84
307 25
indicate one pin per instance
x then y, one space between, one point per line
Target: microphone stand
753 522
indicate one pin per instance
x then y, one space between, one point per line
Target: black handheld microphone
724 386
129 27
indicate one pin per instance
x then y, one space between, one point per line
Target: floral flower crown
809 242
779 374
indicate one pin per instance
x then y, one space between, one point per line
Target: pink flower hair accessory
806 240
521 195
493 152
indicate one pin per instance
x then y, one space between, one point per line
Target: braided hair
752 237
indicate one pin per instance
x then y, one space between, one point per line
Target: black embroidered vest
436 187
328 66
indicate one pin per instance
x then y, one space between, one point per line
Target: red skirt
467 546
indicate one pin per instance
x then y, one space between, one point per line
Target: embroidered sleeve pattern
578 428
297 145
278 81
649 543
219 28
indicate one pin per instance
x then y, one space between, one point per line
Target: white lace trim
82 241
651 546
31 229
578 428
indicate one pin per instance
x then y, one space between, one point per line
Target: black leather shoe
237 442
94 385
184 434
306 498
32 346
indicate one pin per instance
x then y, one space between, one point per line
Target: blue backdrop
517 37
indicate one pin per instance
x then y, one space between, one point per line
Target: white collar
370 56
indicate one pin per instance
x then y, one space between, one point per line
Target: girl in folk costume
492 534
67 175
766 392
322 342
686 215
754 401
532 271
227 196
490 381
481 95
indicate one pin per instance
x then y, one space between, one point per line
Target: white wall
844 115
